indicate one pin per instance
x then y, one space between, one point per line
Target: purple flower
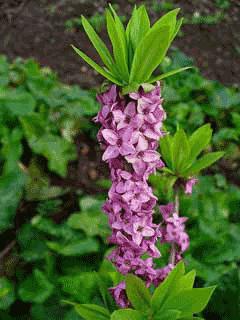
189 185
166 210
174 228
141 229
119 294
119 143
128 117
131 129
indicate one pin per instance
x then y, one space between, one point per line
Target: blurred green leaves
36 288
7 293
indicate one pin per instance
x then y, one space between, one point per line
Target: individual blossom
119 294
173 229
119 143
189 185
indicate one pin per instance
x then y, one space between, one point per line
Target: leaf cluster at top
137 50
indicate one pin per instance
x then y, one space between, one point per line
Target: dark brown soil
30 28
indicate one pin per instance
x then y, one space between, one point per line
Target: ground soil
30 28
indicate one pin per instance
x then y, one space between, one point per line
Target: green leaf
204 162
80 286
17 102
137 293
103 288
92 312
127 314
177 28
133 87
57 150
138 26
7 294
11 149
149 54
167 315
199 140
38 185
167 74
118 39
90 203
31 242
168 19
76 248
11 189
36 288
190 301
166 146
180 151
187 281
98 45
164 290
92 223
95 66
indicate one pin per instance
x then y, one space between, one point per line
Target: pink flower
141 229
119 294
119 143
128 117
189 185
131 129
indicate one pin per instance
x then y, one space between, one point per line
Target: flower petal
110 136
110 153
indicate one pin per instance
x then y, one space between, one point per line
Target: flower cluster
173 230
131 128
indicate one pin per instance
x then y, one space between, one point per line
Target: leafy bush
39 119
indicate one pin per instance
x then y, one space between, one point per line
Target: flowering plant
131 119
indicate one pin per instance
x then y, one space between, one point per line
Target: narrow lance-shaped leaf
168 19
137 293
117 36
137 27
180 150
199 140
95 66
166 149
149 54
92 312
203 163
177 28
98 45
167 74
